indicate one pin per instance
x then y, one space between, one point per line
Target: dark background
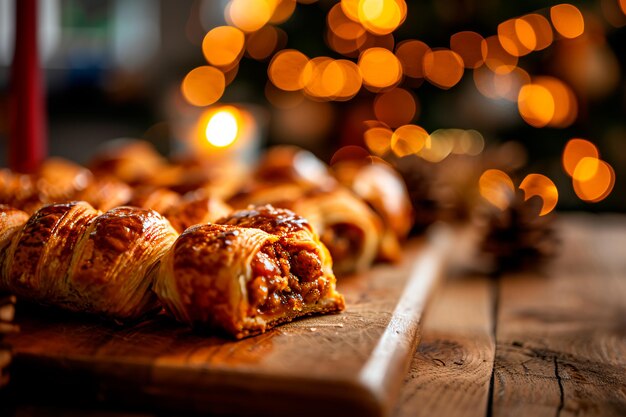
94 96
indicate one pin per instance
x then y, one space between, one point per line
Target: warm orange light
567 20
565 103
380 68
593 179
408 140
283 11
223 127
517 37
285 69
395 107
622 6
443 68
496 57
203 86
249 15
342 26
323 78
223 46
378 139
381 17
411 55
352 80
575 150
541 29
347 47
497 188
262 43
351 9
536 105
468 45
542 186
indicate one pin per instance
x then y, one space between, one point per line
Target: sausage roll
132 161
261 268
348 227
196 208
293 164
380 186
155 198
72 256
11 220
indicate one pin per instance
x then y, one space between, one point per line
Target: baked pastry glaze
77 258
260 268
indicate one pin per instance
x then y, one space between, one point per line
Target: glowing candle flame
222 128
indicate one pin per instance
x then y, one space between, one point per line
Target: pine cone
517 237
419 176
7 311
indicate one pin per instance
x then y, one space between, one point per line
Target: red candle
27 120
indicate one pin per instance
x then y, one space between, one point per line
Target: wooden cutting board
351 363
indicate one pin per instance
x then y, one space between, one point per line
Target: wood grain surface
561 332
352 362
546 342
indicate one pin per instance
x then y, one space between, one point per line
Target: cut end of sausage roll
245 280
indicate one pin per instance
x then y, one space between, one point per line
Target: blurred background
484 73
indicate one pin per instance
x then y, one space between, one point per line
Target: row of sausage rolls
252 270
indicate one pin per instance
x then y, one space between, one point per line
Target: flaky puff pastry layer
75 257
207 276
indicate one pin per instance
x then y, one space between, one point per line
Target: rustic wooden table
533 343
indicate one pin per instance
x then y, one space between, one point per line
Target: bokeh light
467 142
378 139
285 69
497 188
395 107
342 26
223 127
593 179
495 56
411 55
381 17
203 86
438 146
282 11
262 43
542 186
567 20
565 103
443 68
322 79
575 150
536 105
223 46
408 140
541 28
517 37
468 45
249 15
352 80
500 85
380 68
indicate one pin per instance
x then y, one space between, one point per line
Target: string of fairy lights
361 31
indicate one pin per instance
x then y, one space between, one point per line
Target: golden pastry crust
196 209
106 193
245 280
71 256
384 190
11 221
156 198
